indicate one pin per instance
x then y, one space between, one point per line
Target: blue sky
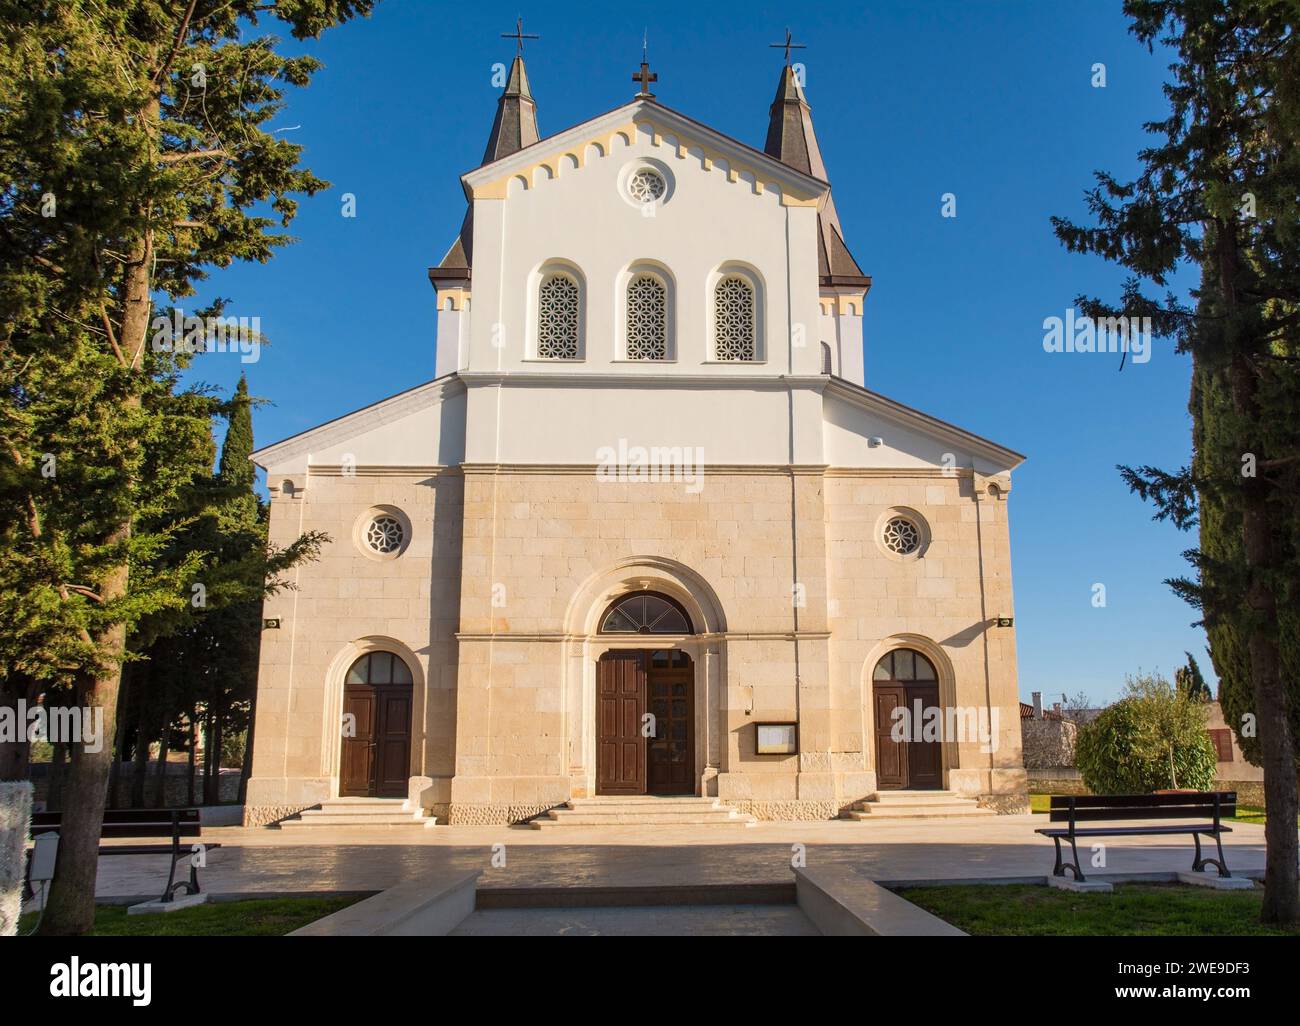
991 101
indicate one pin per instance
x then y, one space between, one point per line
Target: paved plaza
263 861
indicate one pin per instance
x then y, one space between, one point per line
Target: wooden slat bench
172 823
1209 807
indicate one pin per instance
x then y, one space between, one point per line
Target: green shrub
1151 739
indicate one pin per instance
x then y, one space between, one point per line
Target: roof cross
519 35
645 76
787 46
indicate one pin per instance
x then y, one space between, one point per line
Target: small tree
1152 738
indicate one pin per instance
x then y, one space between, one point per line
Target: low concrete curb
636 897
418 908
841 903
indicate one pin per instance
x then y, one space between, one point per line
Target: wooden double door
645 723
376 759
912 763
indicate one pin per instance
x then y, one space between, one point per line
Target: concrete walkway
277 862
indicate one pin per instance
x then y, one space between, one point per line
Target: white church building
649 532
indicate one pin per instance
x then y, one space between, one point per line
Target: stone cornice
643 640
591 469
641 379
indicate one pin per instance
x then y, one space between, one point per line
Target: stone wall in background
1048 743
15 816
1057 780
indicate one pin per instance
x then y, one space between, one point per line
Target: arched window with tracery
905 665
735 329
647 318
559 318
646 613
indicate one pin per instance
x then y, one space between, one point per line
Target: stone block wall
496 598
943 602
347 603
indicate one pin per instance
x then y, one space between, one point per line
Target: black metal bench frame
1186 805
138 823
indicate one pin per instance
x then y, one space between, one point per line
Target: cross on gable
787 46
645 76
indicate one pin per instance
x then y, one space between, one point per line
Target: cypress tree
1219 192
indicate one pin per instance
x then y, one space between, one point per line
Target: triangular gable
423 426
879 409
797 188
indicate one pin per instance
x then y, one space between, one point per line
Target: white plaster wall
423 427
582 218
848 429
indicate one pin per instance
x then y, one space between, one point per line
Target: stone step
642 810
916 805
915 797
639 808
378 813
562 818
399 820
922 812
645 799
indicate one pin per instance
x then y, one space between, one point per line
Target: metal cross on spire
519 35
788 45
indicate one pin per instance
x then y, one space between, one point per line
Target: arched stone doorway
904 696
375 755
645 701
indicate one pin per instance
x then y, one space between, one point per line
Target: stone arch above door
335 682
651 574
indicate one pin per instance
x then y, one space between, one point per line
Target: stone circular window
385 534
901 536
646 186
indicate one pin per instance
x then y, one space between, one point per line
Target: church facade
647 531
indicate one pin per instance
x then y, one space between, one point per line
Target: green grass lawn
270 917
1248 814
1133 910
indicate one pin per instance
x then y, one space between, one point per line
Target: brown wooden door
356 770
393 743
924 760
891 755
672 749
376 761
620 705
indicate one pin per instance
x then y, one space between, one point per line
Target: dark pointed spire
791 140
514 127
516 122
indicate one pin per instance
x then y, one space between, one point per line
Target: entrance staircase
378 813
642 810
897 805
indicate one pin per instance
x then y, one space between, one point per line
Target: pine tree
1220 192
1191 682
135 157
